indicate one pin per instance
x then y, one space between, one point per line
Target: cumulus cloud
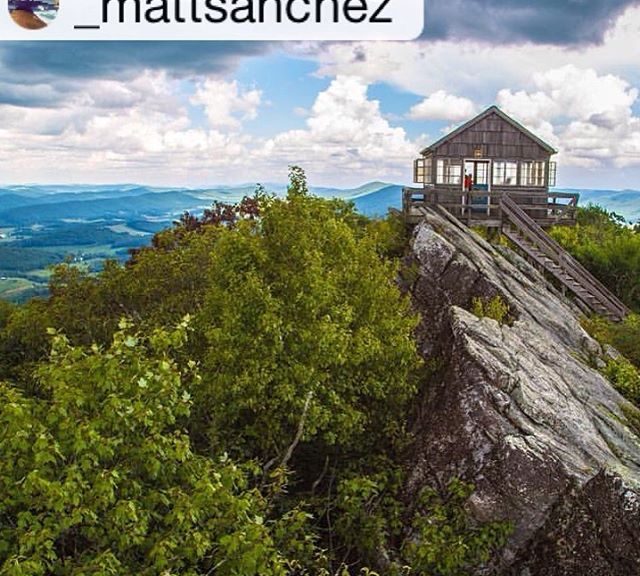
140 129
225 103
345 132
588 115
572 91
443 106
144 128
477 69
108 111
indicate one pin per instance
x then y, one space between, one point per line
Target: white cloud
579 99
139 129
479 70
573 92
226 104
443 106
346 133
142 130
587 115
530 108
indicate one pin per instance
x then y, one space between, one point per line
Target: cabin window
422 171
449 172
505 173
418 171
532 174
553 172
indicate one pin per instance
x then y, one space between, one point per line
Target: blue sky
200 113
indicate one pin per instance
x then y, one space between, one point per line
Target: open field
19 289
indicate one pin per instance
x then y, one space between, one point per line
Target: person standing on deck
468 182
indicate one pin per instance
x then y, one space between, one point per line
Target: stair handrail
564 259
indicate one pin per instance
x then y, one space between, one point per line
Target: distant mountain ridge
86 224
623 202
35 204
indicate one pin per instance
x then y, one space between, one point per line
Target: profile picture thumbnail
33 14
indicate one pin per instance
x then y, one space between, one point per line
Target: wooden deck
482 208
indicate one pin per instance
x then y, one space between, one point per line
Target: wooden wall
496 139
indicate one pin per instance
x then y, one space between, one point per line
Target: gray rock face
520 411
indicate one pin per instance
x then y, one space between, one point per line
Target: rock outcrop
521 411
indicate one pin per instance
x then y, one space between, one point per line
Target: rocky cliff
520 410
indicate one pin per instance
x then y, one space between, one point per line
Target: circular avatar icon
33 14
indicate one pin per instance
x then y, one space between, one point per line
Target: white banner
212 19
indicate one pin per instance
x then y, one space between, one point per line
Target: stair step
534 242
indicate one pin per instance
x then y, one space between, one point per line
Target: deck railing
484 207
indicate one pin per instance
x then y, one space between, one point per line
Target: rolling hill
43 225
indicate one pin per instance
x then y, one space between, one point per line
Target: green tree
6 310
97 474
623 336
307 335
445 541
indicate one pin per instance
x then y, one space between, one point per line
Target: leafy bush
6 311
625 377
445 541
623 372
369 514
623 336
97 475
608 248
304 330
495 308
268 442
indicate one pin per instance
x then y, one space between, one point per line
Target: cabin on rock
470 170
493 172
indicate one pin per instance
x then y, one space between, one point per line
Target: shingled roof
482 116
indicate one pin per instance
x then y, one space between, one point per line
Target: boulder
520 410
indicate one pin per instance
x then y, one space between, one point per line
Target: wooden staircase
590 294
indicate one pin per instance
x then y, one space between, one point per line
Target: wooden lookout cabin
470 170
493 172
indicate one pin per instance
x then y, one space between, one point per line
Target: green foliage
6 311
625 377
445 541
304 328
297 182
300 364
19 259
298 301
441 540
23 340
369 513
608 248
495 308
623 336
391 235
409 273
623 372
98 475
